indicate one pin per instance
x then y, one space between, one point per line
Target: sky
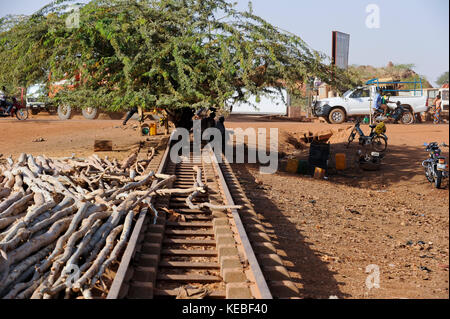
410 31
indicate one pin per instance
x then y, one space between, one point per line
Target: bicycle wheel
351 138
379 143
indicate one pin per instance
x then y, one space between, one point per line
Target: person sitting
380 102
4 101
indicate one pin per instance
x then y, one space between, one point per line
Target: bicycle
377 141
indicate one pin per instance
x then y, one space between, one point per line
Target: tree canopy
443 79
158 53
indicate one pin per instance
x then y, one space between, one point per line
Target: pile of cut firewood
65 221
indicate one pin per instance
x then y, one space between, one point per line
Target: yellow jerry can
292 166
153 129
319 173
341 162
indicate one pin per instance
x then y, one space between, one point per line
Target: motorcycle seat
373 126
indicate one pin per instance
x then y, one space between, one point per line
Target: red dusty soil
63 138
331 230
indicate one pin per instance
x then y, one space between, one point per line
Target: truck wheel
337 116
64 112
90 113
407 118
34 111
317 111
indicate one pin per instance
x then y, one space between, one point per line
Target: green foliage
443 79
415 78
399 72
158 53
404 66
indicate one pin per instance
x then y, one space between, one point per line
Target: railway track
201 253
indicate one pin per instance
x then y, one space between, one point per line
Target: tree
171 54
443 79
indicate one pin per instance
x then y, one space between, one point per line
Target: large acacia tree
170 54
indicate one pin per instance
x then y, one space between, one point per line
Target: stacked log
65 221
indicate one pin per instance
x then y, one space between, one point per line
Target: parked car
359 102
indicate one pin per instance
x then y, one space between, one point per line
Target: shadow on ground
310 272
401 163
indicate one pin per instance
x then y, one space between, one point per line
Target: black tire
317 111
34 111
337 116
375 117
379 143
90 113
351 138
438 179
22 114
429 174
64 112
407 118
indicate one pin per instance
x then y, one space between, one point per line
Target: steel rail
261 291
131 247
255 268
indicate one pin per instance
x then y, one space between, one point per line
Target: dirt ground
64 138
329 230
332 230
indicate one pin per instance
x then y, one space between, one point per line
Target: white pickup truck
358 102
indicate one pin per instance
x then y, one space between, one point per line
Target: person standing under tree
134 110
221 127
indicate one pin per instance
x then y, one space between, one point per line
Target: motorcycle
370 161
18 109
436 166
394 115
